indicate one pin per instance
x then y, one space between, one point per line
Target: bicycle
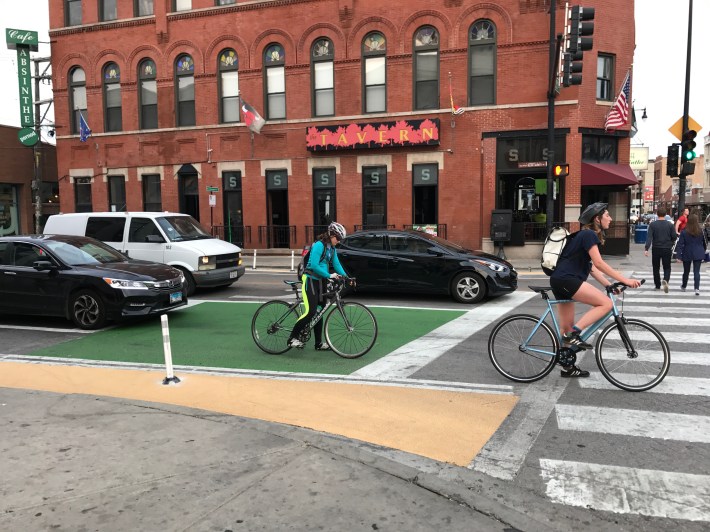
631 354
350 328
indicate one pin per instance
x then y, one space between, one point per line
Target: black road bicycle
350 328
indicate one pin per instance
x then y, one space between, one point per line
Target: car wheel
468 287
189 285
87 310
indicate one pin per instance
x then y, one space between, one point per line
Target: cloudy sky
658 74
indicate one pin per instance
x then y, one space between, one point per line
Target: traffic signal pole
554 57
682 175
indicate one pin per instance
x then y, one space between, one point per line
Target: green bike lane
222 370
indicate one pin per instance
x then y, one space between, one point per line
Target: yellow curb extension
442 425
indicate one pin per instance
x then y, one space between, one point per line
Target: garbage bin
641 233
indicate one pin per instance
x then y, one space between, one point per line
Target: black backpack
304 261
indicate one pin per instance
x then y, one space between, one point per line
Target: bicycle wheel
641 370
272 325
351 333
522 349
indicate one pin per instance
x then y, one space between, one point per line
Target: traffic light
560 170
572 69
672 161
579 30
688 144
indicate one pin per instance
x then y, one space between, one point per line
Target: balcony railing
433 229
312 231
236 234
373 227
277 236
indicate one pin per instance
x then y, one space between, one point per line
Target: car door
6 303
32 291
363 256
413 266
145 241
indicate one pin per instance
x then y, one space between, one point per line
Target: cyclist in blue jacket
322 254
579 259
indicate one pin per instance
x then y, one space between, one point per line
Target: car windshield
81 252
450 246
181 228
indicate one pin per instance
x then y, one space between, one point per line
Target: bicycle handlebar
618 287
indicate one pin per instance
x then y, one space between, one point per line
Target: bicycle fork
621 324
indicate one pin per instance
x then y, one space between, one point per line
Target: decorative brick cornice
100 26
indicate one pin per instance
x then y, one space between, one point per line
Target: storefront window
9 218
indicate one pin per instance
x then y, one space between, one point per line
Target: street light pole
554 47
682 175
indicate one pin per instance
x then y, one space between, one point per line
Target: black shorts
565 288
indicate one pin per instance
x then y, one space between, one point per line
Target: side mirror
154 239
435 251
44 265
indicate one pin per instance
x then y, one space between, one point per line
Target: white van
169 237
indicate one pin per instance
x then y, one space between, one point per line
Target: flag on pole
84 129
252 118
619 112
455 109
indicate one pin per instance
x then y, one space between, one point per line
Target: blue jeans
696 272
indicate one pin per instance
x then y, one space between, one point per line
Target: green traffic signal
688 144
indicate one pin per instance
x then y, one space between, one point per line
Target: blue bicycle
631 354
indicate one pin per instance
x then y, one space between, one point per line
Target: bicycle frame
329 303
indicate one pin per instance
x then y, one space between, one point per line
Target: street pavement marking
640 423
441 425
641 311
669 385
628 490
413 356
677 357
46 329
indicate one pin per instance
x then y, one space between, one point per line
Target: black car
414 261
82 279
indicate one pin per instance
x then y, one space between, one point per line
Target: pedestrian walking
682 221
691 250
660 238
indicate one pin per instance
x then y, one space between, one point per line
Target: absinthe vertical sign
23 41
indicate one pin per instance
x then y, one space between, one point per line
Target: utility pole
37 148
554 47
682 175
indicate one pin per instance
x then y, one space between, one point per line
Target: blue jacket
318 269
689 247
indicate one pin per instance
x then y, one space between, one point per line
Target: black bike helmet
594 210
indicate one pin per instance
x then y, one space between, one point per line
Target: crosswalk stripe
413 356
671 321
671 298
677 357
628 490
669 385
661 425
641 311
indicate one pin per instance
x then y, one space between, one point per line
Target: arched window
482 63
185 91
426 68
228 86
77 86
322 78
275 81
148 95
112 98
107 10
374 73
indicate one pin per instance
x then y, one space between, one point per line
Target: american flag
619 113
455 109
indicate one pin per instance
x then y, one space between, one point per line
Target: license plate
234 274
176 297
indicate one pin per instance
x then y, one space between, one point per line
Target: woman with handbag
691 250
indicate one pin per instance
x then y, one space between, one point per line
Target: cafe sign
24 42
373 135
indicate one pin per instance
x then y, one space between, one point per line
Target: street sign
212 189
213 200
28 136
677 128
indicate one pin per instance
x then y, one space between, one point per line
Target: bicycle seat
540 289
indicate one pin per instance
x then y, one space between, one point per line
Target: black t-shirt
575 261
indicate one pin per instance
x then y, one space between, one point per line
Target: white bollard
170 377
254 264
292 261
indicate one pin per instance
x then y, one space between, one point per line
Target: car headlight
125 283
207 263
491 265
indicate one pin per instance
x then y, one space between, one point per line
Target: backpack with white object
552 248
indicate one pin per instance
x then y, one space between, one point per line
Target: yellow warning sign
677 128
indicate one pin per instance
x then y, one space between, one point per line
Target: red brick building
357 101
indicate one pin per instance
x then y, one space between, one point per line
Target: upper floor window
275 73
143 8
185 75
605 77
374 48
107 10
77 85
322 76
112 98
182 5
482 63
225 2
148 95
426 68
229 86
72 12
599 149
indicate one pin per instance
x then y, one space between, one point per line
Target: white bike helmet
337 230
